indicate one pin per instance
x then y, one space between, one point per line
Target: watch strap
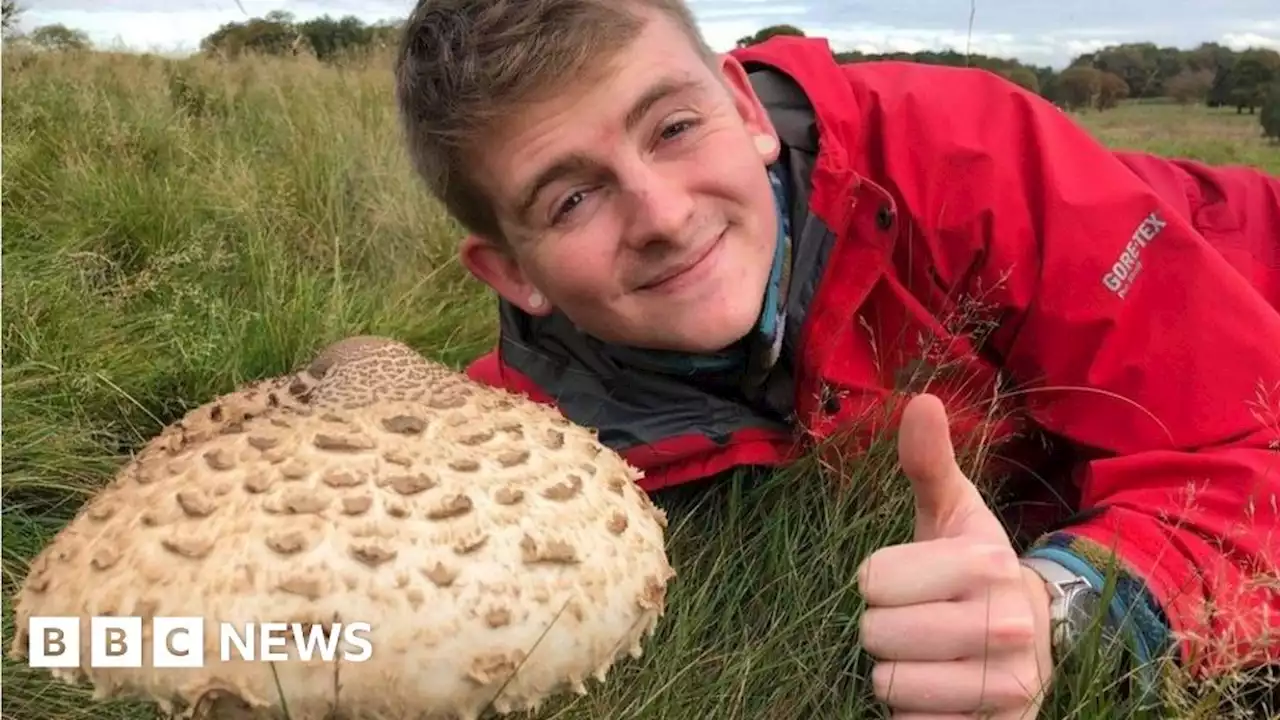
1063 586
1058 577
1129 617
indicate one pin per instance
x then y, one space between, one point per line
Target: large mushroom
500 553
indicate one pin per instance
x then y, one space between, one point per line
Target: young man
719 260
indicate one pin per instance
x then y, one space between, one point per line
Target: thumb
947 503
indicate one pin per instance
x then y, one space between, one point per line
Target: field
1217 136
172 231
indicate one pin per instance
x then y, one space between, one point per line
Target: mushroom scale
500 553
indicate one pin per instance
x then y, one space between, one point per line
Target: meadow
174 229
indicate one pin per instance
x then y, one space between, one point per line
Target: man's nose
662 208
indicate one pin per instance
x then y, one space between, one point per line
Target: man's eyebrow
562 167
660 91
572 163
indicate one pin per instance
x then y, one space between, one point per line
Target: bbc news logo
178 642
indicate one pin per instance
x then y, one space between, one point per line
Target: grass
175 229
1214 135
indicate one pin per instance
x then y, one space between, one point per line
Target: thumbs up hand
959 628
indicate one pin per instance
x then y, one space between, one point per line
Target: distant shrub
1270 115
1190 86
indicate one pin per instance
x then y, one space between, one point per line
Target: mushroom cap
500 553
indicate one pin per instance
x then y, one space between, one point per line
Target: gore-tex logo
1120 278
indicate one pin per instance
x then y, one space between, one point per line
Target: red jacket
956 234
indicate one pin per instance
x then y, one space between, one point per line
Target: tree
1269 117
1216 59
273 34
1112 89
10 11
766 33
1024 77
329 38
1210 56
1142 66
1169 62
1190 86
1220 91
1077 87
1249 76
60 38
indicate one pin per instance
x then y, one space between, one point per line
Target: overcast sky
1037 31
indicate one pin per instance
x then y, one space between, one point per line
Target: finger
946 501
936 571
965 686
924 446
947 630
934 716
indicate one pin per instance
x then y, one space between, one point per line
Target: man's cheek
578 281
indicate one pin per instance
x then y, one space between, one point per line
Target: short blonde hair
464 65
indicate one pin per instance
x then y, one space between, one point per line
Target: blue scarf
756 353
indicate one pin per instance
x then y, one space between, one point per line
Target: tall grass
175 228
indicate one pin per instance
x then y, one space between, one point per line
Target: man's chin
714 334
666 332
698 341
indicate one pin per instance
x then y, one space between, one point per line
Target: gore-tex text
1121 276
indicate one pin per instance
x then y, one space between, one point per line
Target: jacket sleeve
1129 333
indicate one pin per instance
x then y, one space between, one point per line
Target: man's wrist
1072 603
1041 607
1131 620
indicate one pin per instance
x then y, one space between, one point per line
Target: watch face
1083 609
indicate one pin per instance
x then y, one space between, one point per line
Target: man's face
638 203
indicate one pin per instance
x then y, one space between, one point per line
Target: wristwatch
1074 604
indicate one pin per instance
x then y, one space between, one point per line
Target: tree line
277 33
1210 74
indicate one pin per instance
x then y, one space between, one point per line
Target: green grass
172 230
1214 135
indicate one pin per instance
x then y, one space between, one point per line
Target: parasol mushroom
500 554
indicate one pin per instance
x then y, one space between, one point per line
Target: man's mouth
673 275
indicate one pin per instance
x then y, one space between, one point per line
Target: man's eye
676 128
567 206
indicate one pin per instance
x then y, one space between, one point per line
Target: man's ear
749 107
495 265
